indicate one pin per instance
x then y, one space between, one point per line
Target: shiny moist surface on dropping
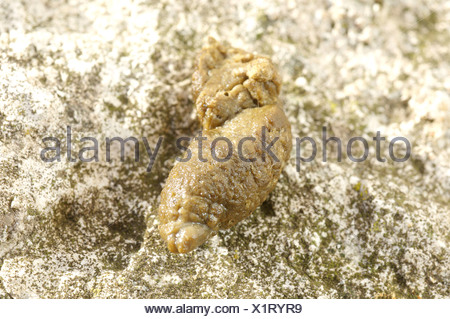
236 96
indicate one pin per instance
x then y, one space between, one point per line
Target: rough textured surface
228 80
223 180
206 194
336 229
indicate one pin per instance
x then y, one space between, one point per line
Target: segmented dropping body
236 97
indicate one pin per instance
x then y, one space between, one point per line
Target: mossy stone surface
336 229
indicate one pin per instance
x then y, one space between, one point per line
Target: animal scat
236 95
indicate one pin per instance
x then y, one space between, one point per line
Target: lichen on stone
335 229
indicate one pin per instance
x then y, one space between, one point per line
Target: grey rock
334 229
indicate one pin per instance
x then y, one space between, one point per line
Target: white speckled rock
336 229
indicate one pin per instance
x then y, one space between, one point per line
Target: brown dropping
236 97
